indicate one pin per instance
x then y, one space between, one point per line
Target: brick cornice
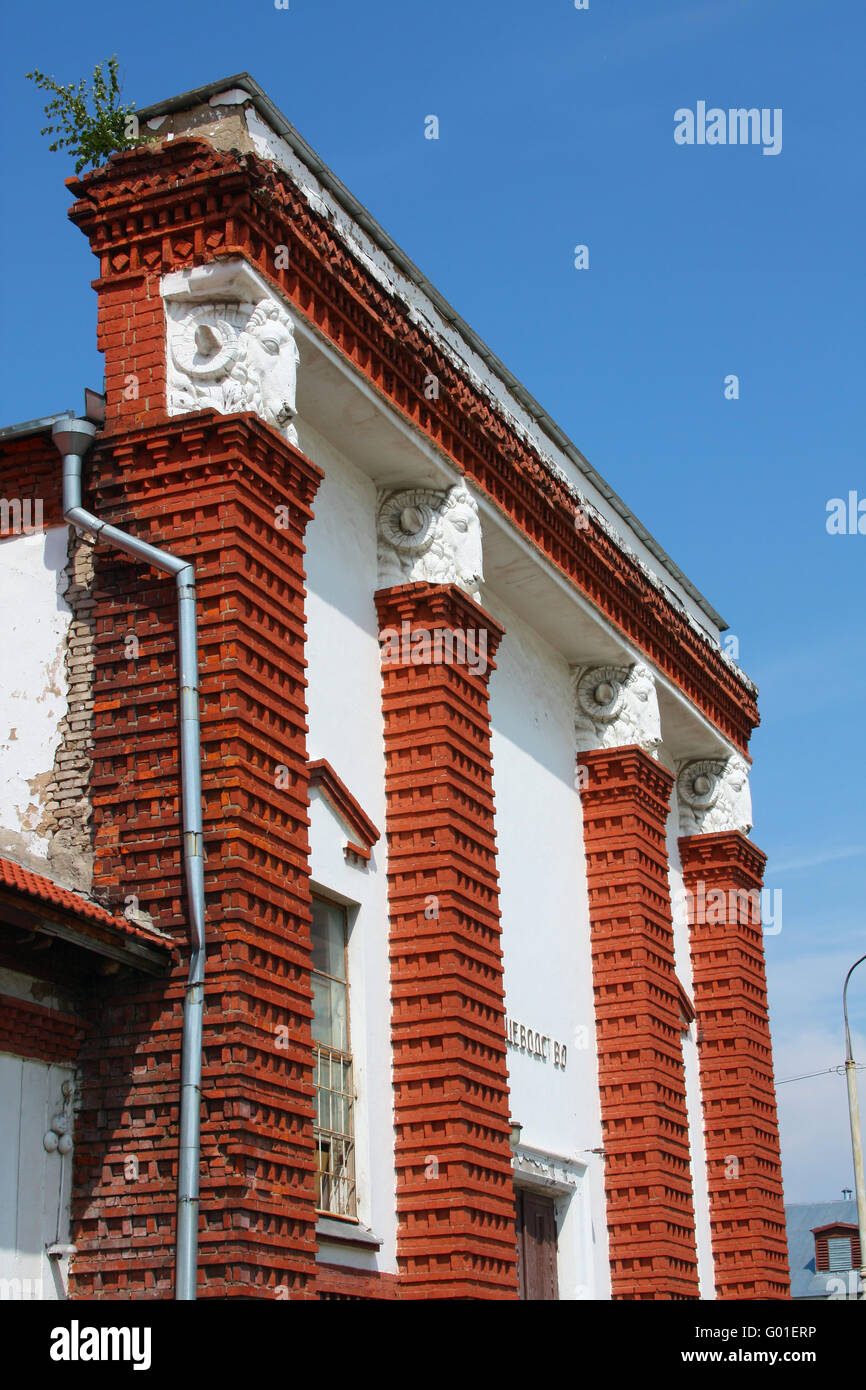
630 769
437 605
323 776
202 448
724 851
161 207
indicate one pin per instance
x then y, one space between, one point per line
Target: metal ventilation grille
839 1253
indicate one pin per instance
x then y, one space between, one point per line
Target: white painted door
34 1183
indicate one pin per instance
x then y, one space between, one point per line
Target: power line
836 1071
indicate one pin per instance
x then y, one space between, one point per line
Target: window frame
347 1058
832 1231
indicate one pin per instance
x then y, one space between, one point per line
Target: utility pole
856 1132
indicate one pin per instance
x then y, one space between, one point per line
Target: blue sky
556 129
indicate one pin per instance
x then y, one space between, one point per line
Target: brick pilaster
455 1195
723 875
643 1100
205 487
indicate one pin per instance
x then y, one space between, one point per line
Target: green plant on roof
90 135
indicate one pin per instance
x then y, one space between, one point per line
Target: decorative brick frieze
625 796
162 207
31 1030
455 1197
723 874
208 487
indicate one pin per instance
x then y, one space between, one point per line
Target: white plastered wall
34 620
345 723
546 946
691 1067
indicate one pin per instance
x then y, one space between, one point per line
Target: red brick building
484 1006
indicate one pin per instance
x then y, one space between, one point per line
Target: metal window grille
334 1131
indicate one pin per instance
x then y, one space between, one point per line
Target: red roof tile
36 886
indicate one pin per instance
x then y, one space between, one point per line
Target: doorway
536 1246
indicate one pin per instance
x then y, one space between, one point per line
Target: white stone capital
713 794
615 706
428 535
230 345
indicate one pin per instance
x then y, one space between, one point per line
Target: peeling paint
45 766
40 788
34 622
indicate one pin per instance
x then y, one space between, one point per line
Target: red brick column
643 1101
207 488
723 875
455 1196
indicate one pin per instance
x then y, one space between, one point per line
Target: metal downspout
73 438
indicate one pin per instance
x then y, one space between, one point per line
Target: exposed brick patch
70 850
747 1214
30 470
650 1211
455 1197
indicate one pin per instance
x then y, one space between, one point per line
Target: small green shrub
90 136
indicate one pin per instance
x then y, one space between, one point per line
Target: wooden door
536 1246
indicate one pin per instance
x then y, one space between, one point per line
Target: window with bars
332 1056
